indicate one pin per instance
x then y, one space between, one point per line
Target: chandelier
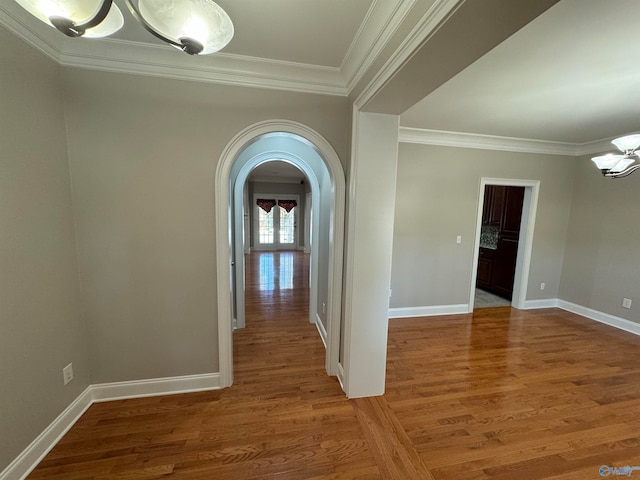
615 165
193 26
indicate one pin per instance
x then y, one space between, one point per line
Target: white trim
22 29
340 375
607 319
428 25
380 24
591 314
141 58
525 242
428 311
444 138
31 456
321 330
113 55
223 248
138 58
541 303
484 142
105 392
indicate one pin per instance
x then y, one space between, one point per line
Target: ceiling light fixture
616 165
77 18
193 26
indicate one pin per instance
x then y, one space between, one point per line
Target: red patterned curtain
266 204
288 205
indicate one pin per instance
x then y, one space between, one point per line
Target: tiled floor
485 299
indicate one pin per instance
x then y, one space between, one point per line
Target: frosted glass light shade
200 20
622 164
608 161
109 25
78 11
628 143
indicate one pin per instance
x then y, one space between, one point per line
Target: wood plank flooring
500 394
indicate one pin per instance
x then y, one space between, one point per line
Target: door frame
224 223
525 241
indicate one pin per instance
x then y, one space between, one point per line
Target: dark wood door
496 270
497 205
485 264
503 268
512 212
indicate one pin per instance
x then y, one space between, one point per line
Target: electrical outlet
542 285
626 302
67 373
459 239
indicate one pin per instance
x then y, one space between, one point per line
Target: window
275 221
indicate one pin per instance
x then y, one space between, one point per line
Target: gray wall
437 199
41 329
602 259
143 154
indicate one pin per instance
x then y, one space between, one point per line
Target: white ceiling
571 75
277 171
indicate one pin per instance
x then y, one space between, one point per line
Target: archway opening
303 148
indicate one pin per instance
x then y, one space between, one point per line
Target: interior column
372 191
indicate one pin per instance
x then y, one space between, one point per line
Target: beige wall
437 199
41 329
143 154
602 259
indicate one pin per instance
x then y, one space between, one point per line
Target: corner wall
41 328
602 258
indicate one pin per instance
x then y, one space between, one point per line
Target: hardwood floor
500 394
508 394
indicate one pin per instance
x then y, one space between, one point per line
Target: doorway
275 221
507 233
499 234
310 152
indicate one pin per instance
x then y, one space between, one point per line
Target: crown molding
428 24
21 26
507 144
136 58
380 24
485 142
597 146
121 56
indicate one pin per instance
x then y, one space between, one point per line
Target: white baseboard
340 375
543 303
321 330
407 312
607 319
36 451
611 320
105 392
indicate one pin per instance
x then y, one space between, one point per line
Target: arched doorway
311 153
